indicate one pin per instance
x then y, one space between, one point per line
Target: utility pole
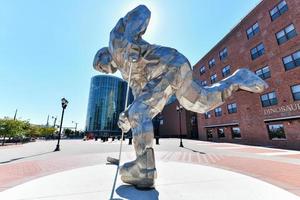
15 117
47 124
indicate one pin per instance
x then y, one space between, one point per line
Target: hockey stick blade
113 161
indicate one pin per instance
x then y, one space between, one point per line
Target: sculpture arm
136 22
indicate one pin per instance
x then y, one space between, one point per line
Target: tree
33 131
3 130
68 132
11 128
47 131
18 130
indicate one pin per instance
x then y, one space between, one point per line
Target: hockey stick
113 160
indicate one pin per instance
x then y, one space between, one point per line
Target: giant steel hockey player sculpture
156 73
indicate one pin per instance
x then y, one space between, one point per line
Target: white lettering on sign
281 109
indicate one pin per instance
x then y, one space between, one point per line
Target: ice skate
140 172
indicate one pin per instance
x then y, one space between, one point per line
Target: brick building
170 120
267 42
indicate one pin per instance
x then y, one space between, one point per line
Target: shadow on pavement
131 193
20 158
194 150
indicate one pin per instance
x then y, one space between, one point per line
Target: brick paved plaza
22 163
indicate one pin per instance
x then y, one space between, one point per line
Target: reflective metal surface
157 73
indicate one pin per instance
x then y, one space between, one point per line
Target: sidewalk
175 181
278 167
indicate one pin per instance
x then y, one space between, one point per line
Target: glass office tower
106 102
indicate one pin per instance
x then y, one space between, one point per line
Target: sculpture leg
193 96
141 172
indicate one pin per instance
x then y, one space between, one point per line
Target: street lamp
54 123
156 124
179 110
64 104
75 125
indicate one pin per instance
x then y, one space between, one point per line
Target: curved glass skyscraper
106 102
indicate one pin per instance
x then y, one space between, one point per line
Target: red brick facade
169 126
251 117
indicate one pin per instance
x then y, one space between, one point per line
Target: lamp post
179 110
76 123
156 123
54 123
64 104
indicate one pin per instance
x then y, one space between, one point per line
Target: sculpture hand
123 122
132 51
133 57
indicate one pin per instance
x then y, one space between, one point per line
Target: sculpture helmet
103 61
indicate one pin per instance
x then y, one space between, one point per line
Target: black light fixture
64 103
179 110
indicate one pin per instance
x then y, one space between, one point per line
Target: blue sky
47 47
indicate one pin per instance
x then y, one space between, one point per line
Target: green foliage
47 131
18 129
10 128
68 132
33 131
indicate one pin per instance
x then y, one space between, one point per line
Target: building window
269 99
212 63
296 92
209 133
257 51
218 112
276 131
285 34
226 71
213 78
207 115
232 108
204 83
202 70
221 133
223 54
264 72
291 61
236 132
278 10
252 31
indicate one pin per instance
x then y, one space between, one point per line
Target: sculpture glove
123 122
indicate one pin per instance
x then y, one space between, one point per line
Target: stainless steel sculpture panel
157 73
